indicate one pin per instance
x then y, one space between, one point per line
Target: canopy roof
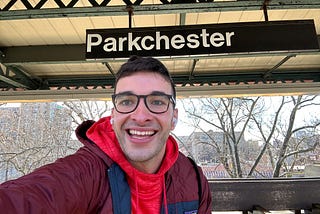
42 44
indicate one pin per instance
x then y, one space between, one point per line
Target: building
209 148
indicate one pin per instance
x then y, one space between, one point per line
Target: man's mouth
140 133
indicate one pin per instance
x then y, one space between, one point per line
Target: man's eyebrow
131 93
158 93
125 93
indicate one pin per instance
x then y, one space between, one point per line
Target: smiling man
129 162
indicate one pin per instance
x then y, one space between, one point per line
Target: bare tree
292 145
282 137
35 134
87 110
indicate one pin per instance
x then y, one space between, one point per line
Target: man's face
142 134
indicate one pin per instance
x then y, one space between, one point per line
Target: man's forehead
143 81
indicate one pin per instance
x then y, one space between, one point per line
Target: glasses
156 103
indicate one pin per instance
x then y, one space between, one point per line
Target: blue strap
120 190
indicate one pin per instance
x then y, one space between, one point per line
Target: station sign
193 40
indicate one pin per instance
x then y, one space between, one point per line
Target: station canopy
43 46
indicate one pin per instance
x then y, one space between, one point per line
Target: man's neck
151 166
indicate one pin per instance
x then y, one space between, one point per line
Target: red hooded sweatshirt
146 189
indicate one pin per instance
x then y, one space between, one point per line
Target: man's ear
111 115
174 119
174 123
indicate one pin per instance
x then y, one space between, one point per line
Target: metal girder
249 78
103 10
269 73
81 82
188 91
14 77
10 82
227 78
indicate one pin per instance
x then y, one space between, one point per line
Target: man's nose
142 112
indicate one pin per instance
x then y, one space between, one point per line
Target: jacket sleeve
69 185
205 206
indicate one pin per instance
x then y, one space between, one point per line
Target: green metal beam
245 77
227 78
11 83
156 9
14 77
190 91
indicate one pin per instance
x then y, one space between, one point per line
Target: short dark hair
147 64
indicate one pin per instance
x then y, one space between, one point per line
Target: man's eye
125 102
157 102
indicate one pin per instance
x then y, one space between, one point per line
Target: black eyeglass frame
170 97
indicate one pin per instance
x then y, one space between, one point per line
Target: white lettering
143 43
217 39
121 41
229 35
91 43
110 44
193 41
204 35
134 42
158 40
177 41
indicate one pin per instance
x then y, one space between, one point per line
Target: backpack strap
120 190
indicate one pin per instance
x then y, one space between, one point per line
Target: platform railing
300 195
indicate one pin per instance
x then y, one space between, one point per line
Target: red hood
146 189
103 135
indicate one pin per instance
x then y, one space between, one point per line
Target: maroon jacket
80 183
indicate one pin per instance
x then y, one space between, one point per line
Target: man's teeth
141 133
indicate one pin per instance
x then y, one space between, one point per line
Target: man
129 162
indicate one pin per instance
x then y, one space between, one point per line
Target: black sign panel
252 37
